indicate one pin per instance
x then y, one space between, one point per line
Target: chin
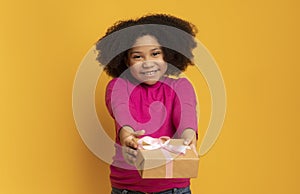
150 81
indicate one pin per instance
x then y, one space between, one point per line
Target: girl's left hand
189 136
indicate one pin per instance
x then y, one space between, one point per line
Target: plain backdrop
255 43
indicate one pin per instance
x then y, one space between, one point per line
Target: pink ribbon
149 143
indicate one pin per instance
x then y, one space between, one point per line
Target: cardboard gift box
162 163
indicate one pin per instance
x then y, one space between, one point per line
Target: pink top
163 109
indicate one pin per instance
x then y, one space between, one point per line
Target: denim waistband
185 190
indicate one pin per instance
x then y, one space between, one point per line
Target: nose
148 64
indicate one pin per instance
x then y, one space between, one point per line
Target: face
145 60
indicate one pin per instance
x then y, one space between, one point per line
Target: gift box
162 162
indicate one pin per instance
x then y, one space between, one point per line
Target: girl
140 55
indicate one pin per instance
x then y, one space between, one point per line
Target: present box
161 163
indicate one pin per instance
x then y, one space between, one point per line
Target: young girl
140 54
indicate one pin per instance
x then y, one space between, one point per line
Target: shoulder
182 87
178 83
119 82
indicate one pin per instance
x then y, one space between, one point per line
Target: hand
129 144
129 154
189 136
128 136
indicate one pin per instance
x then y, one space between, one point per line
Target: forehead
146 40
143 49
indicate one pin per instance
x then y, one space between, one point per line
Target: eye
155 54
136 56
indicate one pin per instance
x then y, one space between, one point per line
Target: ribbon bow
149 143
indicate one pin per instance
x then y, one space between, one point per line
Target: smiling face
145 60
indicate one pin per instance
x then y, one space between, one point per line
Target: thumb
138 133
188 135
187 141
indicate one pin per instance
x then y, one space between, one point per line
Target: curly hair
176 37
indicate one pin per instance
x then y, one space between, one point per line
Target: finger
129 155
131 142
188 135
194 141
131 159
190 141
131 151
193 147
187 142
138 133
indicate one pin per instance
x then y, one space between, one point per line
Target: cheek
164 67
131 62
134 70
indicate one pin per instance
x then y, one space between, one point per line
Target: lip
150 73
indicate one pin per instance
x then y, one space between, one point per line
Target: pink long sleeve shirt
166 108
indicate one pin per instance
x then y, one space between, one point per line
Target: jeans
185 190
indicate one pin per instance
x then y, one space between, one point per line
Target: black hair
174 34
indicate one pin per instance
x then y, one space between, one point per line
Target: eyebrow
132 52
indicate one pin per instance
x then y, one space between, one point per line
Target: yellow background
256 44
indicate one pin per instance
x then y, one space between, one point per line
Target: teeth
149 73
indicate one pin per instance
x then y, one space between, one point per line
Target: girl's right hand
129 144
129 155
130 138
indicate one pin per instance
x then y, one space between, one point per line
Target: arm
117 102
184 112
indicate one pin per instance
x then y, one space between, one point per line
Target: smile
149 73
